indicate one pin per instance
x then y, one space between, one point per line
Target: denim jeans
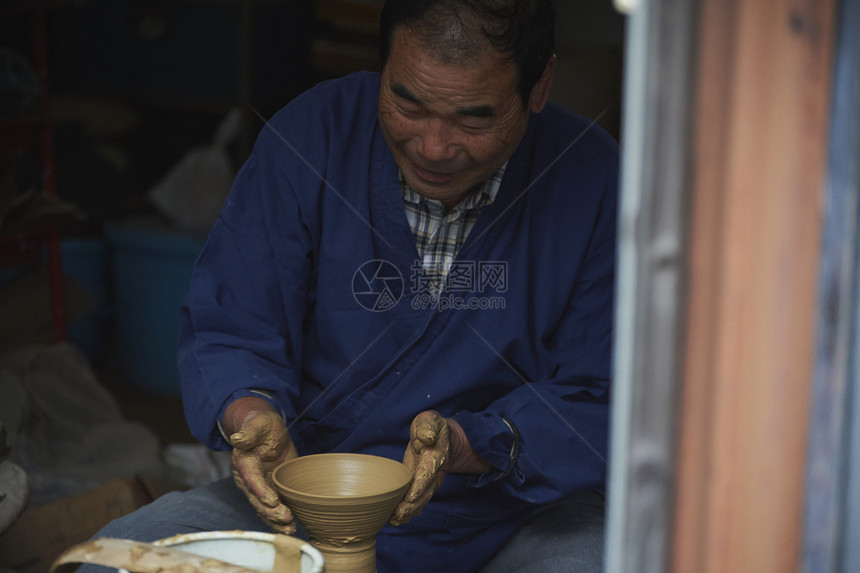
566 537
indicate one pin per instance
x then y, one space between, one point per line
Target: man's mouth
433 177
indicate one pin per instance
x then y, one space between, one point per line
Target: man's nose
437 141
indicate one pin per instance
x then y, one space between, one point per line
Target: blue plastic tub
152 271
86 259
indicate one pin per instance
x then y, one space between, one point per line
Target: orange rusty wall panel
762 99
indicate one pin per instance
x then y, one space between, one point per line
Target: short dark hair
524 30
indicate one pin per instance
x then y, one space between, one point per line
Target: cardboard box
41 534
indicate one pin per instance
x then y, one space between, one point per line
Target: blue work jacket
308 289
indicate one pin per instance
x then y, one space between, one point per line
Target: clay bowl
343 500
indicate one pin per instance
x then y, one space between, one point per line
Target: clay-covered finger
402 516
249 469
279 517
279 514
259 430
417 489
426 429
259 496
407 510
423 477
245 439
287 529
403 513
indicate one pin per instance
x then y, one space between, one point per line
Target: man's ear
540 93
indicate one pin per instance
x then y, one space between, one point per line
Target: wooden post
759 158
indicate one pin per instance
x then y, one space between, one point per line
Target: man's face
449 126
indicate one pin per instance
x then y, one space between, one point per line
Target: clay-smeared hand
425 455
437 446
260 445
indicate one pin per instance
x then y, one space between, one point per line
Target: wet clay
140 557
343 500
288 554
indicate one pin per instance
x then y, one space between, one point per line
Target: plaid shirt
440 234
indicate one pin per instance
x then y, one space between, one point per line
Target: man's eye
407 107
412 112
471 127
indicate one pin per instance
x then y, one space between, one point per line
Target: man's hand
260 444
436 446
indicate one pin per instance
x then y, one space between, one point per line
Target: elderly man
416 264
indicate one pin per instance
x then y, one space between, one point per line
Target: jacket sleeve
556 442
240 325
